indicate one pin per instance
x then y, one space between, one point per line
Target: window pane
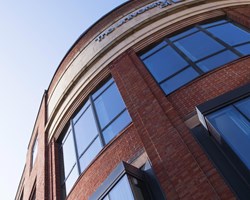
85 130
113 129
244 107
244 49
198 45
192 30
137 186
164 63
179 80
68 154
85 106
99 91
71 180
90 154
109 105
230 34
216 61
154 49
122 190
234 129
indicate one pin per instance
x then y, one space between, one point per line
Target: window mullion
188 60
75 145
245 116
229 47
90 144
97 121
173 75
117 116
108 86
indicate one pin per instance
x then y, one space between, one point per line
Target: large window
181 58
225 136
232 125
101 118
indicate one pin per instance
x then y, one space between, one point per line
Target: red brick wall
211 85
123 148
36 176
240 15
181 166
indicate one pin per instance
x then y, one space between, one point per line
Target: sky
34 37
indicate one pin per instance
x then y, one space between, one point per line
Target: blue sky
35 35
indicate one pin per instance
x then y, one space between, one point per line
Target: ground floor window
127 182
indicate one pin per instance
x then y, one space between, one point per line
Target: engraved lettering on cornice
159 3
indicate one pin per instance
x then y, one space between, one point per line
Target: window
34 152
123 191
225 136
100 119
232 125
181 58
124 183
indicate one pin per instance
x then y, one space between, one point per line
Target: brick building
151 102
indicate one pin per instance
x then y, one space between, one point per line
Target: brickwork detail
161 131
124 147
240 15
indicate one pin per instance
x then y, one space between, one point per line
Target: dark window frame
69 129
225 159
116 175
193 64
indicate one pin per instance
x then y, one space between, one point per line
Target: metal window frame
220 102
100 130
115 176
191 63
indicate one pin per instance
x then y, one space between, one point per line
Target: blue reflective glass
164 63
122 190
230 34
68 153
113 129
83 109
234 129
90 154
216 61
108 105
100 90
154 49
179 80
85 130
244 49
244 107
213 23
185 33
71 179
198 45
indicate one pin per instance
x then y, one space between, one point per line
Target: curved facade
151 102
